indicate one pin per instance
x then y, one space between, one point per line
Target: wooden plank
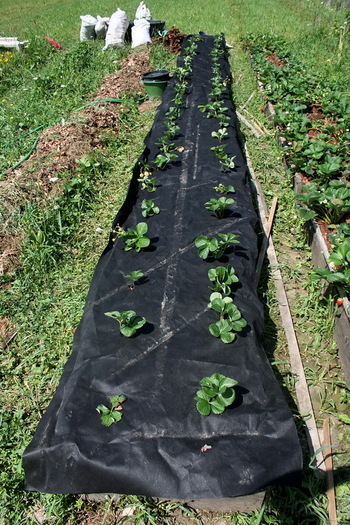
239 504
247 503
327 452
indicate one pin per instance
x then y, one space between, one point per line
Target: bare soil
60 146
274 59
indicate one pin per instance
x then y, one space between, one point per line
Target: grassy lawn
43 295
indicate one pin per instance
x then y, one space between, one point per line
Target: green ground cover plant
46 315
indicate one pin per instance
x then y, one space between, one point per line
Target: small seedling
231 319
161 161
172 113
219 206
136 238
181 73
113 414
171 130
224 189
213 109
220 134
228 163
222 277
134 276
148 183
165 144
211 246
128 321
216 394
219 151
149 208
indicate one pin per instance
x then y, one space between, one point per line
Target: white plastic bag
117 28
140 32
87 28
142 12
101 27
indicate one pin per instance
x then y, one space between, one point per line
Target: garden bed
318 240
163 446
297 130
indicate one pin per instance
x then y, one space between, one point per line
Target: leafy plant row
215 107
217 391
313 118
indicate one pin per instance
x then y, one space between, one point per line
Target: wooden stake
332 508
265 243
255 132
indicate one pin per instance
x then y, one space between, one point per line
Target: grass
47 305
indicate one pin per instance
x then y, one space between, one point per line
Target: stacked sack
113 29
92 27
117 28
140 32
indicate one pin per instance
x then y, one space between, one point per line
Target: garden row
190 315
312 117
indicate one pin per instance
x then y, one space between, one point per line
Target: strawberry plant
219 151
216 394
213 109
148 208
161 161
231 320
222 277
171 130
339 264
224 189
134 276
165 144
220 134
211 246
172 113
219 206
228 163
148 183
136 238
113 414
128 321
329 203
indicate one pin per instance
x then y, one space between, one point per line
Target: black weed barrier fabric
155 449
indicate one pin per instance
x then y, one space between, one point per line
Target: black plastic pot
159 75
155 26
